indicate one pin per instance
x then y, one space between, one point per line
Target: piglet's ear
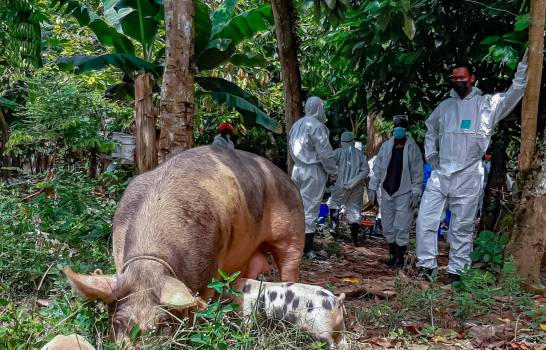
175 294
95 286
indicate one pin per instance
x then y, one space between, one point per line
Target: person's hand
372 196
434 162
415 200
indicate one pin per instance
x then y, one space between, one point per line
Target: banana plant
217 34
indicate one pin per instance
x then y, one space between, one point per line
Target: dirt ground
369 284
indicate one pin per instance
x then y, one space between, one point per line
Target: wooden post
146 151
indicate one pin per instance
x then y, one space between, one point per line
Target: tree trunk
492 207
146 151
177 95
529 236
528 239
287 45
532 93
5 131
374 137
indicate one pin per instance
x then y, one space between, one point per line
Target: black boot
355 230
308 247
400 257
393 248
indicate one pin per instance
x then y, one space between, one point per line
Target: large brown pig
204 209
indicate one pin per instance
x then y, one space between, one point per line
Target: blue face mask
399 132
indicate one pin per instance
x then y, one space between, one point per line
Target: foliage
61 113
474 293
217 36
538 316
23 44
55 225
217 331
489 250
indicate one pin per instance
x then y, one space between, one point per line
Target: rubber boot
355 230
393 249
308 247
400 257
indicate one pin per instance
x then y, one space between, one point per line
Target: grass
67 221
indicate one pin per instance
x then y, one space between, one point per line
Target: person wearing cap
225 130
458 134
398 174
352 171
314 159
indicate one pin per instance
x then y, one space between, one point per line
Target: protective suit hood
314 107
474 92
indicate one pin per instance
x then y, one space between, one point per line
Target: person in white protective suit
314 159
458 133
398 174
349 187
225 130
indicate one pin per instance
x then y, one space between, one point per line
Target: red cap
487 157
225 126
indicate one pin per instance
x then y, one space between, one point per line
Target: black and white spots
308 307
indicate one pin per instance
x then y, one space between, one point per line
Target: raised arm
503 103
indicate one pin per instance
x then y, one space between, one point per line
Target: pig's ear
94 286
175 294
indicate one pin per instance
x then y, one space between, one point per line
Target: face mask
399 132
461 88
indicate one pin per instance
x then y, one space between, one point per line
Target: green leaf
121 91
138 19
222 15
106 34
230 307
223 91
127 63
246 25
203 26
522 22
409 27
4 102
215 54
490 40
248 60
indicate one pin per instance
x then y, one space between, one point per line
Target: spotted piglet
311 308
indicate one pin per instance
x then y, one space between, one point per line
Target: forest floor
389 308
45 226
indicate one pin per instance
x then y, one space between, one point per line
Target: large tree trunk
529 236
532 93
177 95
5 131
528 240
146 150
287 44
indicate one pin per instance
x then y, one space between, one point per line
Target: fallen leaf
351 280
439 339
42 303
379 341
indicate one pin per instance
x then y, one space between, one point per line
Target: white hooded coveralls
352 173
221 141
396 211
459 132
313 158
